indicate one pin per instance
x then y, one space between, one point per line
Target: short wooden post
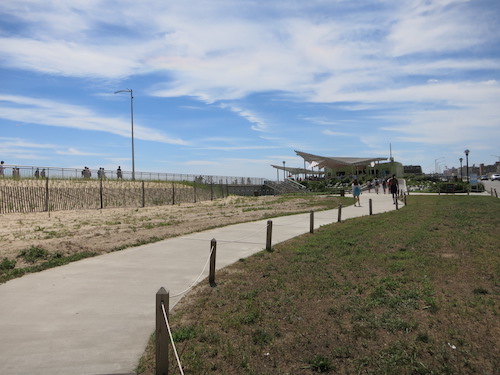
211 191
370 206
213 252
194 189
397 208
269 234
339 219
404 199
496 195
311 224
162 336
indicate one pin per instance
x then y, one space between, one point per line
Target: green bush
7 264
33 254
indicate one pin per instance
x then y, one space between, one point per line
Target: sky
229 87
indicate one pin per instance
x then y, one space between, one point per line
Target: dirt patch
102 231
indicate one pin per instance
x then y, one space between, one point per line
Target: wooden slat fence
40 195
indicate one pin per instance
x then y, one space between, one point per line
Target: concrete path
95 316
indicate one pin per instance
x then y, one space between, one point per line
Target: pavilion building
341 167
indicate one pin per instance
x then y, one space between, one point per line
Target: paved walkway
95 316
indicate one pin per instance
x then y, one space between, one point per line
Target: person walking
377 185
384 185
356 192
393 187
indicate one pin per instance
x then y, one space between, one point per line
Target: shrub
7 264
33 254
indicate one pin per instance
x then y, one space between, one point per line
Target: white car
495 176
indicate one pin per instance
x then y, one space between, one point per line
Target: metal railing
28 171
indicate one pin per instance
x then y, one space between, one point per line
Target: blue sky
228 87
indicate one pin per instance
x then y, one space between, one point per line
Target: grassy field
414 291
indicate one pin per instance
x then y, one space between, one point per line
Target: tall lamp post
132 125
284 177
467 163
461 176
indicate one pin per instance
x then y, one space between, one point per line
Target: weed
7 264
184 333
320 363
33 254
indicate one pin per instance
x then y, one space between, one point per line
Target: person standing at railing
37 173
119 174
2 169
42 173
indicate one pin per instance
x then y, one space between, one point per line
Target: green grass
413 291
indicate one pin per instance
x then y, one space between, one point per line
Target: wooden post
173 192
143 195
211 191
339 219
269 235
162 336
213 252
100 193
311 224
404 199
397 206
194 189
496 194
370 205
47 194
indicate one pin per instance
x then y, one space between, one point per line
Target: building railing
24 171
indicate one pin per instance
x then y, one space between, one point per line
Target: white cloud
52 113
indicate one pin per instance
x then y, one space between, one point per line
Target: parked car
495 176
484 177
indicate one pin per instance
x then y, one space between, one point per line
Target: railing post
339 219
162 336
311 223
213 252
370 203
269 235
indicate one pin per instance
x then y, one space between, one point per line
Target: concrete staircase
285 187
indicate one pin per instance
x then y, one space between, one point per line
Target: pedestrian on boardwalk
356 191
119 174
377 185
1 169
37 173
384 185
42 174
394 187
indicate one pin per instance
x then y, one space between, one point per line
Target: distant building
412 169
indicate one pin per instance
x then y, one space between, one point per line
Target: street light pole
132 125
467 163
